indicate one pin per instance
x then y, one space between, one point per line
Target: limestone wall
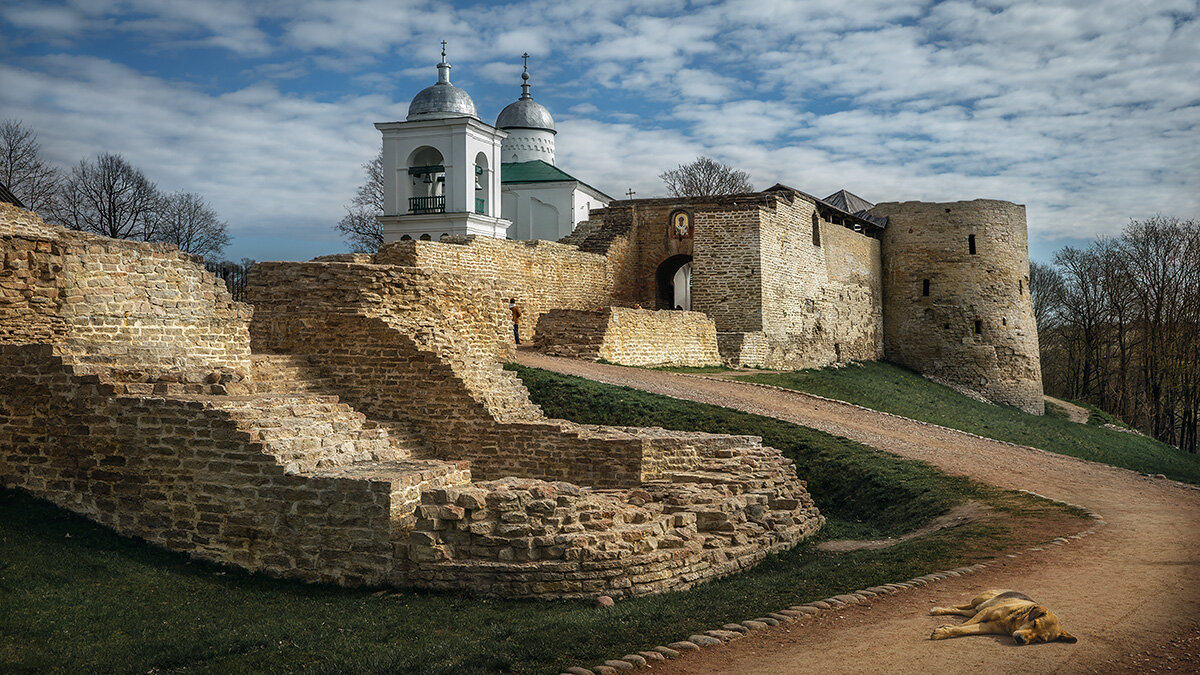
975 328
777 299
635 337
426 348
123 303
541 275
343 449
822 302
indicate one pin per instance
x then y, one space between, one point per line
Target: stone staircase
289 407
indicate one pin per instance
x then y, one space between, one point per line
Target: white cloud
1088 112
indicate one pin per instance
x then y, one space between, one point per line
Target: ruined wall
975 328
131 398
822 302
410 345
183 475
124 303
534 538
635 337
541 275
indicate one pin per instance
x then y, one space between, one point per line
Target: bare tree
22 168
1046 291
187 221
361 230
1124 332
109 197
705 177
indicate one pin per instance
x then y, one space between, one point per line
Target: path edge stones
732 631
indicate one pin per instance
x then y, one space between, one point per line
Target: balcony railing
435 204
481 206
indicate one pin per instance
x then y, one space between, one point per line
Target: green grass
76 597
890 388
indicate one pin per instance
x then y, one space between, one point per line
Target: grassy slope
76 597
890 388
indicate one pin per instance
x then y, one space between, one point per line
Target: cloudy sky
1088 112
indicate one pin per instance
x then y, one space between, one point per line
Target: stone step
307 432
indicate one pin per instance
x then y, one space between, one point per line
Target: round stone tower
956 302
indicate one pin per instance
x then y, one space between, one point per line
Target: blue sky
1088 112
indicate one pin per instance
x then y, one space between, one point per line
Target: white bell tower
441 167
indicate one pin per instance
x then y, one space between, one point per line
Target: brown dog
1004 613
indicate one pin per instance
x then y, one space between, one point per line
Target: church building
441 178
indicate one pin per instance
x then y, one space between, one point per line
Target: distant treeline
1119 326
233 274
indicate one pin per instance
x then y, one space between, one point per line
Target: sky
1087 112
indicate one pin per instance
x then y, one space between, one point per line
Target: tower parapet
956 302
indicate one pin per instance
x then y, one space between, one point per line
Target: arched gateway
674 283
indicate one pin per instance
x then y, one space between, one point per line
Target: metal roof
525 113
848 202
538 171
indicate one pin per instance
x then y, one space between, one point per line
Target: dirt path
1131 592
1074 413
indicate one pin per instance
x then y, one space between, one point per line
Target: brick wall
975 328
636 337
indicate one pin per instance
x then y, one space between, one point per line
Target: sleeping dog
1004 613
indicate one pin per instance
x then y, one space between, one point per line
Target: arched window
427 178
483 184
426 237
406 238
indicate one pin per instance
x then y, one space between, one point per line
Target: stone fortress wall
370 437
634 337
778 299
541 275
822 297
956 297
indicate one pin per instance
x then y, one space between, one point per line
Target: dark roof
855 205
848 202
6 196
828 207
538 171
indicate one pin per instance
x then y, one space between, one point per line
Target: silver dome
443 99
440 101
525 113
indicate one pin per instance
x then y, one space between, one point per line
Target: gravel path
1130 590
1074 412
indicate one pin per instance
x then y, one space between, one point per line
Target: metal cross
630 193
525 56
443 50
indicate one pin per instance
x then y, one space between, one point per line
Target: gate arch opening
674 283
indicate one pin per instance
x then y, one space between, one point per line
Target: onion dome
525 113
443 99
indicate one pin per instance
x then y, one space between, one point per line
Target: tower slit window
971 243
978 327
925 288
816 232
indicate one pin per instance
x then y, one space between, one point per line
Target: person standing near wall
516 314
